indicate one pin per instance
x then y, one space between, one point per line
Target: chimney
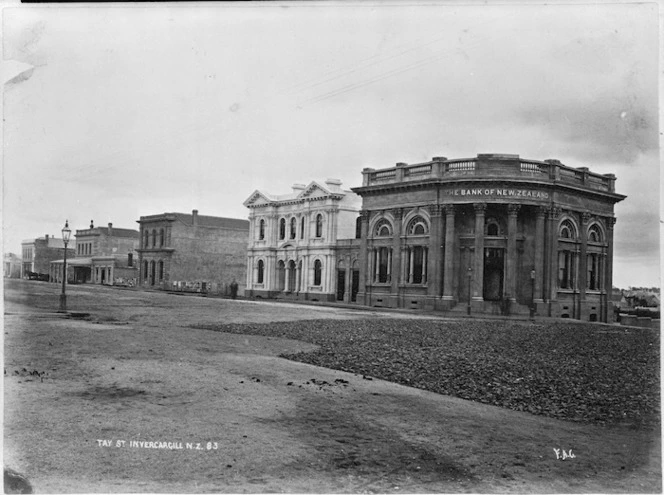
194 217
92 224
298 187
333 185
110 229
47 237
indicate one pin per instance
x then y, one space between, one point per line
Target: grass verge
572 371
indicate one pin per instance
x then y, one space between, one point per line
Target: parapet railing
551 170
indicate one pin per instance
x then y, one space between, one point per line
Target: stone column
287 287
478 268
583 264
539 253
435 244
394 256
448 263
607 283
554 213
363 258
411 259
511 264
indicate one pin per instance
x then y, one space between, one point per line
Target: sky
114 112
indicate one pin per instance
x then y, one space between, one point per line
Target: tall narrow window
418 263
130 260
319 225
161 237
318 272
282 229
145 270
161 270
293 228
261 230
261 271
154 238
383 265
358 227
565 270
302 228
145 239
594 270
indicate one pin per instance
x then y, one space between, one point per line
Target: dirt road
131 399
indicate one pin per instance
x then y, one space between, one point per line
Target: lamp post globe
66 234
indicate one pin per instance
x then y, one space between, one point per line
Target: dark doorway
494 269
356 285
341 284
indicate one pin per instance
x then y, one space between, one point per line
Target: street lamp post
66 232
532 297
470 277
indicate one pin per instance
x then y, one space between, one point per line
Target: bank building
492 234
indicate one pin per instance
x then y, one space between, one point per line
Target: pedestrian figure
233 289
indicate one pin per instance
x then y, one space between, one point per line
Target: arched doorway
281 276
341 281
292 276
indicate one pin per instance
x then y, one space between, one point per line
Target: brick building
302 245
104 256
192 252
38 254
492 234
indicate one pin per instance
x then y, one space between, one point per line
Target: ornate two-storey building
302 245
491 234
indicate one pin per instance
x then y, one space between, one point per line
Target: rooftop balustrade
490 166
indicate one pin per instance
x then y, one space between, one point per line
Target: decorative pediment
314 190
257 199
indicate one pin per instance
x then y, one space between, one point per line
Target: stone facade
11 266
301 244
104 256
37 255
192 252
492 234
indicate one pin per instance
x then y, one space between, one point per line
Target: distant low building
192 252
104 256
40 252
11 266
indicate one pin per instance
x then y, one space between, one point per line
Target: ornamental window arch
293 228
493 227
568 254
567 229
417 225
383 228
595 233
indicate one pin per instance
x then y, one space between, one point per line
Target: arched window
293 228
302 228
261 271
383 229
492 227
161 237
567 230
594 234
282 229
261 229
319 225
417 226
145 270
146 235
154 237
318 272
161 270
152 272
